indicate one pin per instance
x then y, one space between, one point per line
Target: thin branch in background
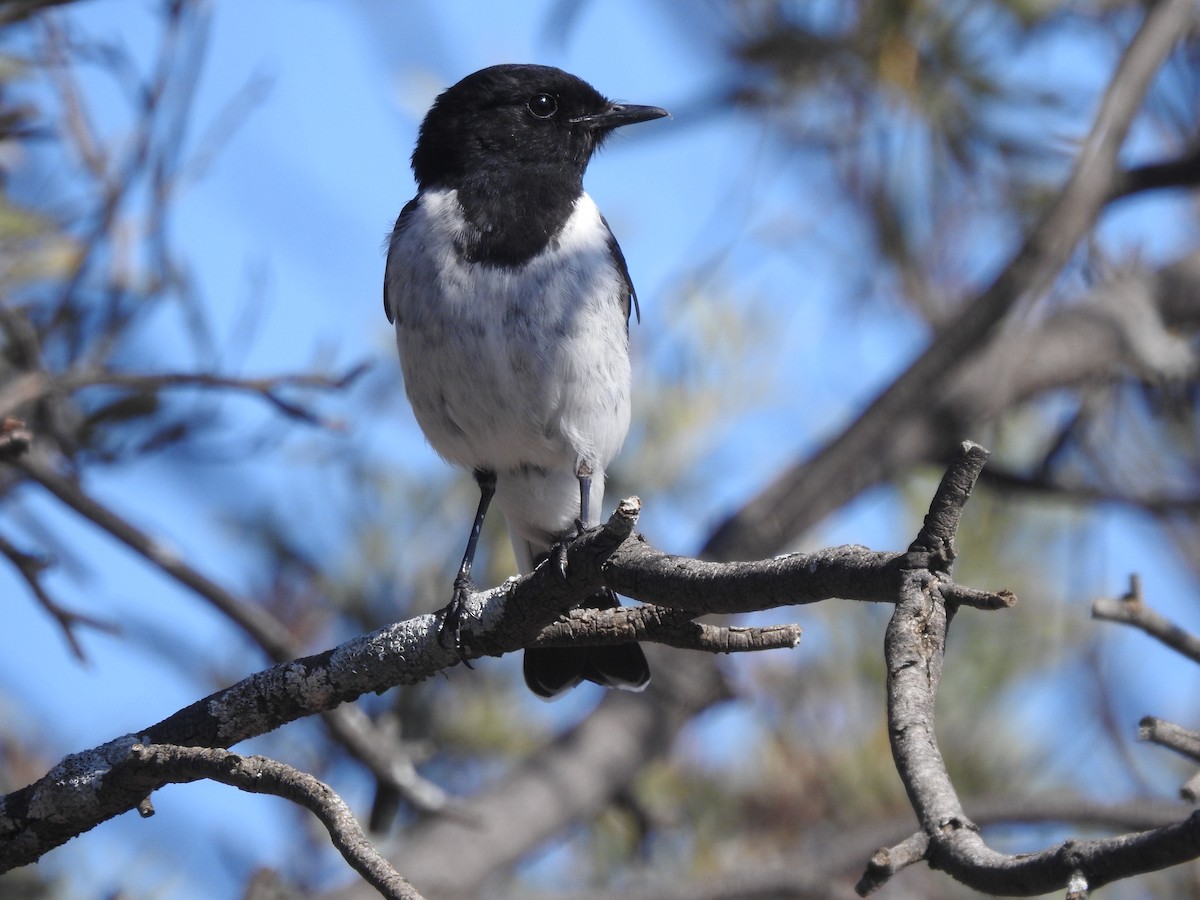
1184 171
14 11
261 626
854 460
30 568
1045 485
1131 609
33 386
260 775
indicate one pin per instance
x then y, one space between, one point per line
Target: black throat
514 217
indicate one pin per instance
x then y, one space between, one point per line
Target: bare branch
349 726
265 630
500 620
18 10
1131 609
889 860
914 648
1184 171
260 775
30 568
78 794
33 386
1169 735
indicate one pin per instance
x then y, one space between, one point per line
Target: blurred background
194 198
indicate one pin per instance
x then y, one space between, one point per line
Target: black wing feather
629 295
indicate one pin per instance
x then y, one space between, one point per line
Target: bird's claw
452 617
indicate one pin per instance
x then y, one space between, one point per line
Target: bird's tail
551 671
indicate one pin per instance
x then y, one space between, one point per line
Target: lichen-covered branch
165 763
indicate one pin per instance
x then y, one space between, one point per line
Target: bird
511 301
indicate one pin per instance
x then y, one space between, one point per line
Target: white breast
510 369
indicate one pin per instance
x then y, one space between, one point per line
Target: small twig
1169 735
265 629
941 522
960 595
1183 171
34 385
30 568
887 861
260 775
1131 609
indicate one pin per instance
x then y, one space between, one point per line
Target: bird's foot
452 616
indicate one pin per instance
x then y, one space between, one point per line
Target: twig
260 775
887 861
32 386
1131 609
1169 735
30 568
1183 171
260 625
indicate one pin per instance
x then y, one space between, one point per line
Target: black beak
619 114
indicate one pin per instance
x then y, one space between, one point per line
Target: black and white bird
511 300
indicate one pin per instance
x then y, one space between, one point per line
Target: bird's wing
628 295
401 221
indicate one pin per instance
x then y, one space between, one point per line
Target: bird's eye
543 106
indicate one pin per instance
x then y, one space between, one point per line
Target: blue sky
289 220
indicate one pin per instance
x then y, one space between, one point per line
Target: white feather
521 371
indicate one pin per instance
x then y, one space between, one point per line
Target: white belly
513 369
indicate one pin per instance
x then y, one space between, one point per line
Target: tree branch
887 434
82 794
1131 609
170 764
660 625
914 648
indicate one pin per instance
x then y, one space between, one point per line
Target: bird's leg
584 474
559 551
452 614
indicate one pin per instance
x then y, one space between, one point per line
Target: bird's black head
517 121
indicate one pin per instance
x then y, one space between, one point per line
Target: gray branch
914 646
165 763
86 788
